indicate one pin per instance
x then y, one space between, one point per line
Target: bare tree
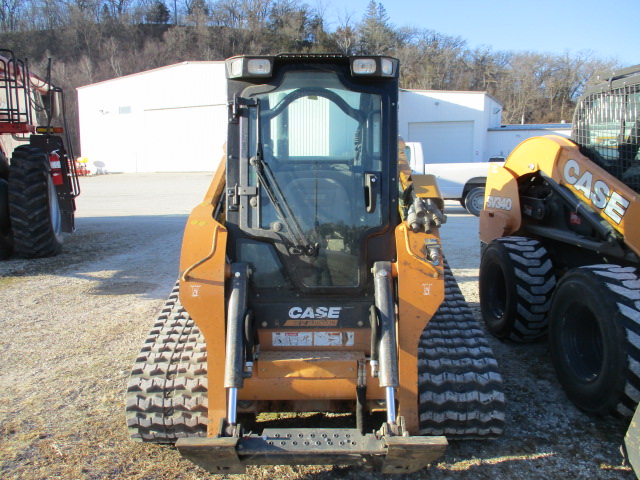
10 11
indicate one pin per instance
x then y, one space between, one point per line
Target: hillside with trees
96 40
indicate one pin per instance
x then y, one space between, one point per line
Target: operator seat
333 204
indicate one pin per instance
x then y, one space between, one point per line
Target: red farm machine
39 184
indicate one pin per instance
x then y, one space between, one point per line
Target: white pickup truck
457 181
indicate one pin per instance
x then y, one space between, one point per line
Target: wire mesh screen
606 127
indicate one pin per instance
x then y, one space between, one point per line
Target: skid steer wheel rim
583 343
587 339
497 295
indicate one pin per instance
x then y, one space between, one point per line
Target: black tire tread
33 233
166 396
535 281
460 388
6 236
624 284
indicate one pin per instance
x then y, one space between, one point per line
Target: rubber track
33 233
460 389
624 284
167 393
535 282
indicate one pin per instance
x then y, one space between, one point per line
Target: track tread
460 389
166 396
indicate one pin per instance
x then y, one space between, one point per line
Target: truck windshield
606 126
318 145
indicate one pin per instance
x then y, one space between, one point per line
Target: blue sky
609 28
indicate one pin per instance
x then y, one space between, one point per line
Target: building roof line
165 67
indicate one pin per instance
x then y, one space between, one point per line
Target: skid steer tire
460 388
166 396
516 283
594 338
33 204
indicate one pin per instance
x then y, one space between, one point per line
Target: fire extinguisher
55 163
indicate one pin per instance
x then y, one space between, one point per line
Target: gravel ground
74 323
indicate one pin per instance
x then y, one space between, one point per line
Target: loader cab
606 125
311 169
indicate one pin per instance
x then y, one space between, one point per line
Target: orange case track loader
312 280
561 242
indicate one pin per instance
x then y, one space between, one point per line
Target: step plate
309 446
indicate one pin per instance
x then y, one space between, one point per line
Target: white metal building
503 139
168 119
452 126
174 119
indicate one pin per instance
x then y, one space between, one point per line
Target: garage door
444 142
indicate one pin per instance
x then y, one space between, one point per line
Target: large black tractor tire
460 388
594 338
516 283
33 203
4 166
6 239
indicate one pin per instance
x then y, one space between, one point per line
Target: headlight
364 66
249 67
374 66
387 67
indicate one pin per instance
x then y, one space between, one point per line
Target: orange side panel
560 159
501 214
202 282
420 293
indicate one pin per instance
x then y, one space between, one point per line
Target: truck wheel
516 282
594 338
33 204
474 201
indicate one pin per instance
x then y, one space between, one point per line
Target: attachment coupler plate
313 446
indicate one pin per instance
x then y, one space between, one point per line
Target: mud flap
308 446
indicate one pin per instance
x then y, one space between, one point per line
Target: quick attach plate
313 446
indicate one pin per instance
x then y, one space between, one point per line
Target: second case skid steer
311 283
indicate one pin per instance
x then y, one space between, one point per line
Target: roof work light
262 66
374 66
249 67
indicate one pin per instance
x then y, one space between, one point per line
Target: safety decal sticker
292 339
308 339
